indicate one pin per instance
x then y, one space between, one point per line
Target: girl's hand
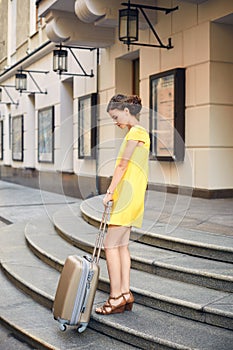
107 198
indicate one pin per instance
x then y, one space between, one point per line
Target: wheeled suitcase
77 285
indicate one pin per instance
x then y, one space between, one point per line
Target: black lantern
0 94
128 25
20 81
60 61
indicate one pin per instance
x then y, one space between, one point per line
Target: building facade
56 133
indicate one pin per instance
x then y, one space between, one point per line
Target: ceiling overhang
85 22
89 10
194 1
64 26
93 23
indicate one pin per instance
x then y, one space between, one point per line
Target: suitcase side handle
101 233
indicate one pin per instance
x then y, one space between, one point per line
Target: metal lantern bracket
8 94
156 8
70 48
39 90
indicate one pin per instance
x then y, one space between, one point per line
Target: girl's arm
120 169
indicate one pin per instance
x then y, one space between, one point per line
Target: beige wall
22 24
3 33
201 45
205 49
209 108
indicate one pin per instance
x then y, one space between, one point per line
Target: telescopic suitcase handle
101 233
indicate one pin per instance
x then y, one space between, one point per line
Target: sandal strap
109 308
104 310
108 302
108 305
129 292
115 298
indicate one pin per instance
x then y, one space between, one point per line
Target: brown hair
120 102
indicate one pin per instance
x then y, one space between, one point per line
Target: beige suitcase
77 285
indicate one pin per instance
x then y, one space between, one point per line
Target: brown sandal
108 308
128 301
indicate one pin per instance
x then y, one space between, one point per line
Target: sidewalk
19 203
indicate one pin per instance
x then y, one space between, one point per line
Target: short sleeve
137 134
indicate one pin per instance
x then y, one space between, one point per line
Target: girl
127 191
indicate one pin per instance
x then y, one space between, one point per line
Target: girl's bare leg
114 270
125 268
118 260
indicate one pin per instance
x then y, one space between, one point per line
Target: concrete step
39 281
10 340
33 323
179 298
173 237
145 327
162 262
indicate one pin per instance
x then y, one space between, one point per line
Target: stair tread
93 207
151 328
178 332
71 217
23 314
196 297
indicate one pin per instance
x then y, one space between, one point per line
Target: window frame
1 140
177 111
49 155
91 116
18 144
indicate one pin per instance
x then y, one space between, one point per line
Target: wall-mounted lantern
60 61
129 22
21 81
60 57
128 25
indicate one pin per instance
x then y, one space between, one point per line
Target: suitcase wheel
62 327
82 328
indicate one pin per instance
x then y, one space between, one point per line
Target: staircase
182 281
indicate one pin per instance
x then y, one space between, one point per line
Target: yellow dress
128 197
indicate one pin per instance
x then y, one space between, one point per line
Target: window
38 20
1 139
167 115
135 64
46 135
87 116
33 17
17 138
10 131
